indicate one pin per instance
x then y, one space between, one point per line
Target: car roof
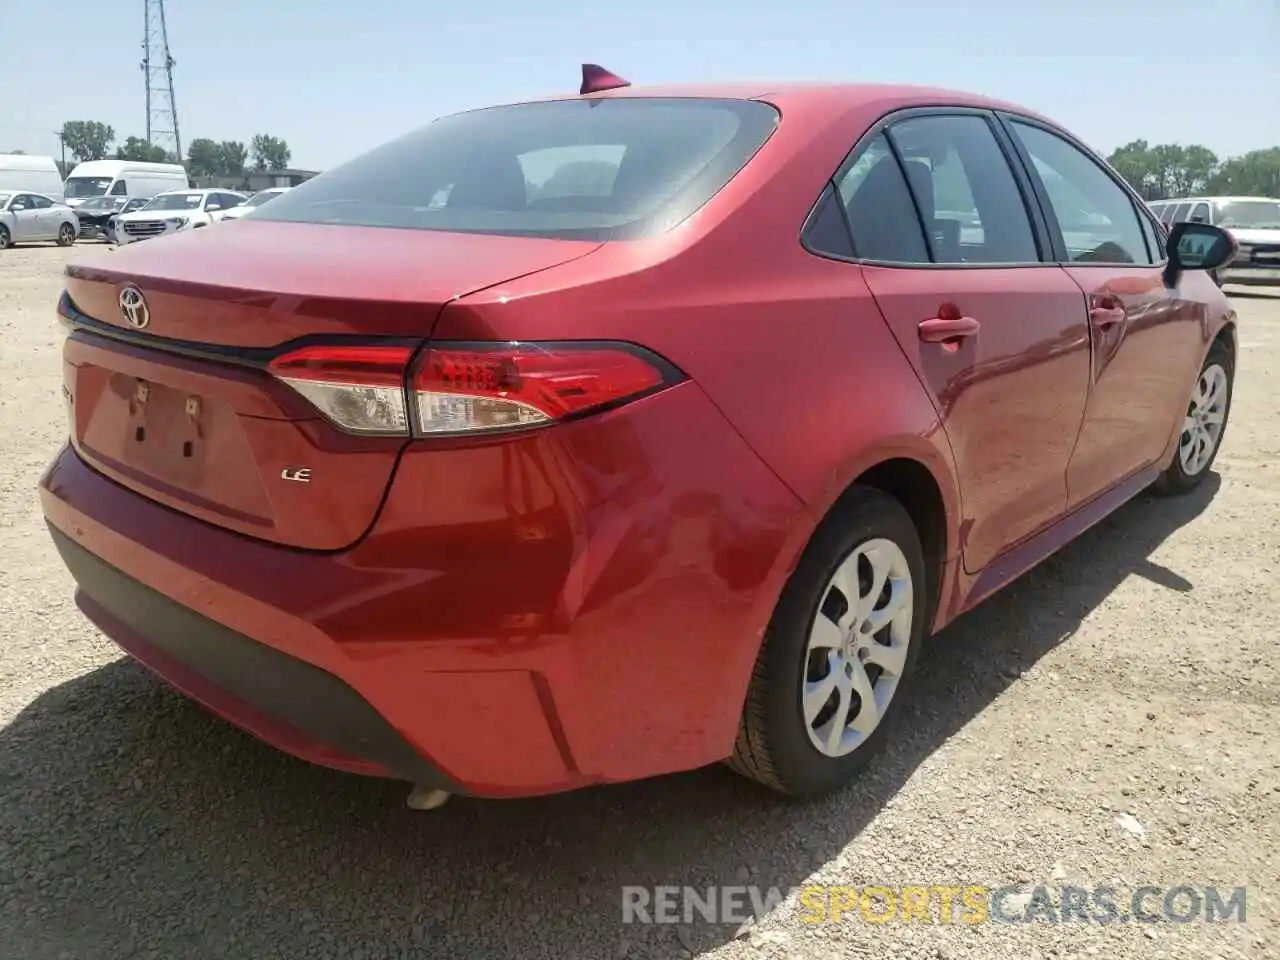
29 193
835 96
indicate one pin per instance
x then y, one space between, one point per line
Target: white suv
174 211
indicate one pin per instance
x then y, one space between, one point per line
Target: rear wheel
66 235
1204 424
838 653
4 237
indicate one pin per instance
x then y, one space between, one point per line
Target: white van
37 174
123 178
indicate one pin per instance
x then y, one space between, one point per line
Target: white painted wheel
858 645
1206 416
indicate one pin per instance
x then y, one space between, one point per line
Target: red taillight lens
483 387
359 388
467 388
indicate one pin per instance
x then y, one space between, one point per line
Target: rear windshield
607 169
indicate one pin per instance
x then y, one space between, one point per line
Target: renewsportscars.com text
938 903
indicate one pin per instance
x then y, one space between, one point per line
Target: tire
66 235
1191 462
776 745
4 238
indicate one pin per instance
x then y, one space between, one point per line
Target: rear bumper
580 605
285 701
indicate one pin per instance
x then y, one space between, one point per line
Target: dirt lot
1135 673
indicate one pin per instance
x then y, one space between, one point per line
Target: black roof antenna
596 78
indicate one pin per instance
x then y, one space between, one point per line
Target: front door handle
946 329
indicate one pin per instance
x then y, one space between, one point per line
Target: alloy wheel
857 649
1206 414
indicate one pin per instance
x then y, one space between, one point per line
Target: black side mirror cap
1197 246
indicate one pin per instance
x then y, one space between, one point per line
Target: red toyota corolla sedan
599 437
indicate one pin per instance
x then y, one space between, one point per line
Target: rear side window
965 190
882 216
606 169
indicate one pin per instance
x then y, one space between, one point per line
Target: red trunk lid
184 413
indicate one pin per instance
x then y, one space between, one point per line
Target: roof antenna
596 78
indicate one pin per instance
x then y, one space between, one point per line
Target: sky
337 77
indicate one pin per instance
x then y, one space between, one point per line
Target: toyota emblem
133 307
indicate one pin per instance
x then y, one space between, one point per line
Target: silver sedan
30 217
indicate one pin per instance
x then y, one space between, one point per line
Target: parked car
130 205
31 217
257 200
123 178
22 172
173 212
465 465
1254 222
96 213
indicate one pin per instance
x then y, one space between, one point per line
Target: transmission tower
157 67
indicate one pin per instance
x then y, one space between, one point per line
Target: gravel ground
1134 673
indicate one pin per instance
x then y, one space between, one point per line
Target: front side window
1199 213
120 188
965 191
610 169
1097 218
41 203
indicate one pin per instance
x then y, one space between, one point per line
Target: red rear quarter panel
790 346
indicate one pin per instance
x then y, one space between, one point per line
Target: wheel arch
1226 336
918 474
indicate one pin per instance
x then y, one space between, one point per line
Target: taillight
360 389
468 388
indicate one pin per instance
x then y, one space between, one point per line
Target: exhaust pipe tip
427 798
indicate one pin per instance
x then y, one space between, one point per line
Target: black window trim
1061 256
1039 226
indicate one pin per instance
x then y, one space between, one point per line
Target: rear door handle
1106 311
1106 316
943 329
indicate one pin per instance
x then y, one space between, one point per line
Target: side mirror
1197 246
211 207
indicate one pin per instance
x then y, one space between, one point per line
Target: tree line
1173 170
93 140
